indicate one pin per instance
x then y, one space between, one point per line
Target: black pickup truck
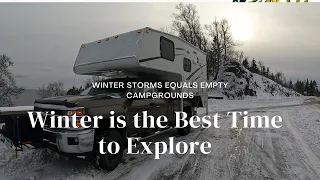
100 101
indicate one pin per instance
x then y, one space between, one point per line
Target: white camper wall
150 48
149 57
138 53
111 53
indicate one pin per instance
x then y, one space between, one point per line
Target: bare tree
187 24
167 30
8 86
228 42
239 56
51 90
226 36
216 49
279 77
222 46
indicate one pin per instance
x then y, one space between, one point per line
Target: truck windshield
112 92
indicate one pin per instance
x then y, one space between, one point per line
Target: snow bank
243 84
27 159
216 105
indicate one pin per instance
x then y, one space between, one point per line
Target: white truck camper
147 53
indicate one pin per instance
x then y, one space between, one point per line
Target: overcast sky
43 39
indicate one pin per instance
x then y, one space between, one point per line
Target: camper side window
166 49
186 65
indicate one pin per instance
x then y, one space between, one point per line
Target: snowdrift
243 84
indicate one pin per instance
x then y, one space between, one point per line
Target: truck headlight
86 124
78 124
78 112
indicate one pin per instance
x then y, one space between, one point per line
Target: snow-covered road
290 152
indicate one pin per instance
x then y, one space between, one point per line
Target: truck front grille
50 137
56 121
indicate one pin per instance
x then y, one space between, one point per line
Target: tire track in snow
192 166
272 154
312 157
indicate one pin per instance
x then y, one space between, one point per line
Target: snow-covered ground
290 152
250 103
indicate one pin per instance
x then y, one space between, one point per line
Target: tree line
305 87
56 88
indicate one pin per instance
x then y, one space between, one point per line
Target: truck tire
110 161
186 130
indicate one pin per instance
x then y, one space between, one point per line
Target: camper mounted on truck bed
145 55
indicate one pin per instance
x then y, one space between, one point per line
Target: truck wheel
110 161
186 130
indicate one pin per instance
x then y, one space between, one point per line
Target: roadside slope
243 84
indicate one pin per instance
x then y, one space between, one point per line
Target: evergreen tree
307 87
315 86
245 63
290 84
268 72
272 76
311 88
300 86
263 71
254 68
